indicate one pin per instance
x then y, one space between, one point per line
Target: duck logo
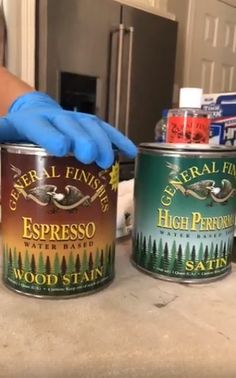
69 198
204 189
47 194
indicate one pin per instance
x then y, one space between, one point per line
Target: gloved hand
36 117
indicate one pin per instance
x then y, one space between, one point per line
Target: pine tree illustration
137 250
77 264
10 263
33 264
216 252
153 255
15 261
138 254
230 244
224 251
136 247
110 265
206 254
160 246
56 264
97 260
149 252
85 262
200 256
48 265
159 255
140 243
193 254
10 258
211 251
216 255
41 268
106 261
5 260
71 264
166 257
221 248
187 254
143 255
26 262
90 262
20 265
173 257
63 266
180 267
200 252
101 258
229 249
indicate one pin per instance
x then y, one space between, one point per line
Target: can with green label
185 205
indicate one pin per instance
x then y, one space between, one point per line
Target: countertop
137 327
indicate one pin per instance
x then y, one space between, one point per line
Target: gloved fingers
8 133
39 130
83 144
124 144
92 127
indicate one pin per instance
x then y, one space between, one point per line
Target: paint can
185 204
58 223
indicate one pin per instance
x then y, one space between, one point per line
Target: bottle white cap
190 98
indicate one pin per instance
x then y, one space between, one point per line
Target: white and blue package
220 104
223 131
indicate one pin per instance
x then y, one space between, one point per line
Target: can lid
190 98
189 147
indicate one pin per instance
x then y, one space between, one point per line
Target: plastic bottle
160 128
189 123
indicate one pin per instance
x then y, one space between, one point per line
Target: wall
12 11
20 20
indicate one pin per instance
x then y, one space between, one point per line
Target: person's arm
11 87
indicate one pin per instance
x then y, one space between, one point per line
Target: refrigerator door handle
119 74
130 30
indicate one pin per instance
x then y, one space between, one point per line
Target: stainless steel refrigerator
113 60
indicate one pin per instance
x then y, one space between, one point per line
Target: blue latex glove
36 117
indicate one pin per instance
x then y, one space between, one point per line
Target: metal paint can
185 204
58 223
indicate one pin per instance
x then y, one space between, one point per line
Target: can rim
30 149
194 147
19 148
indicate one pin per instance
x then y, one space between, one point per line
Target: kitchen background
77 51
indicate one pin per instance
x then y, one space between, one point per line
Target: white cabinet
211 46
158 7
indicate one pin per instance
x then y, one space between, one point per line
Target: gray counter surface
136 327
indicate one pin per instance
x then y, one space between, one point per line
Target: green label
184 215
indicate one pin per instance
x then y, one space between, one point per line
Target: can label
187 130
184 215
58 224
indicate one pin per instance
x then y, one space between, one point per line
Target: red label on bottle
187 130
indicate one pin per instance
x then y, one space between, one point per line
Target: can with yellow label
58 223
